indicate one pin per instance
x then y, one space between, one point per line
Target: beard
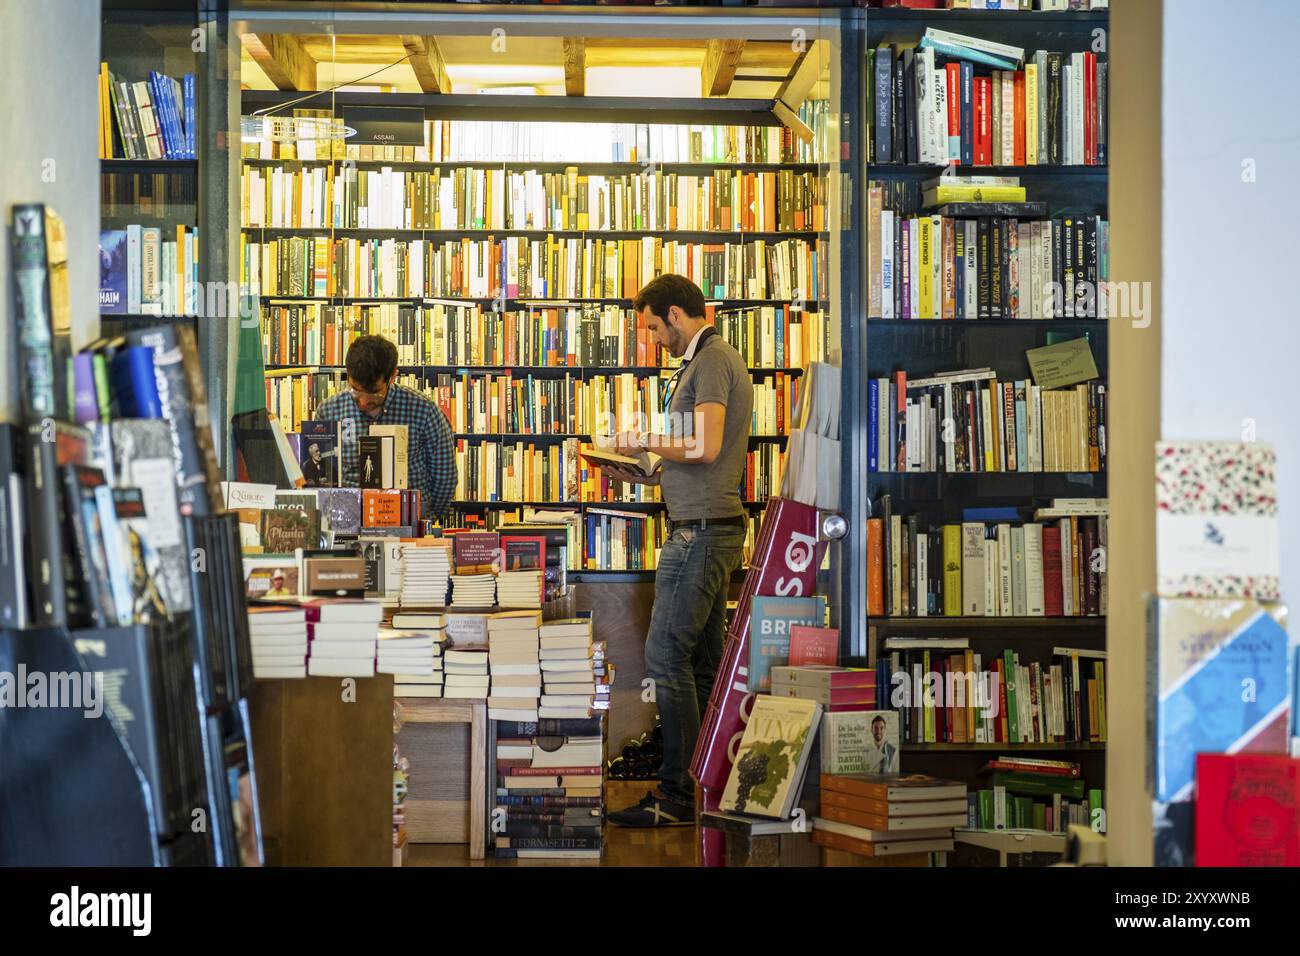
677 342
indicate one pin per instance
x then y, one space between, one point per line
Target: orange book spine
875 567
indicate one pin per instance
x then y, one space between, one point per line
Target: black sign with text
385 125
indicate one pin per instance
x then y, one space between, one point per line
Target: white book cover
921 560
1019 590
1004 570
991 569
971 288
887 263
1008 118
1034 570
936 267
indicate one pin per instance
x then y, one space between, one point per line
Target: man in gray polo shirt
710 404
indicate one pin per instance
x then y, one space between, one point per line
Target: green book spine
986 809
1013 721
1040 816
1038 784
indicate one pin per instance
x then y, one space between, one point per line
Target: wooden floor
624 846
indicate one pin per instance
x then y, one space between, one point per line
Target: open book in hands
644 464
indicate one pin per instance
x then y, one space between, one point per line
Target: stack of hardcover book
513 649
875 814
550 788
279 637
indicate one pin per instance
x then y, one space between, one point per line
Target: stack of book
343 635
413 684
426 571
520 588
473 590
835 688
1035 794
465 674
573 670
279 639
884 814
144 271
513 649
406 653
550 788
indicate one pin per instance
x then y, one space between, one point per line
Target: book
644 464
1216 520
1208 653
772 757
320 457
859 742
1246 810
39 269
814 645
771 620
891 788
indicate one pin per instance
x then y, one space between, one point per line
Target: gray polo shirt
716 373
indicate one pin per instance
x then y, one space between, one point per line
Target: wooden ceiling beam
283 59
575 66
721 57
426 60
803 75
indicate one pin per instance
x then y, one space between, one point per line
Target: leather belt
736 521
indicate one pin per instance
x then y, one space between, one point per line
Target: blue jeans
684 646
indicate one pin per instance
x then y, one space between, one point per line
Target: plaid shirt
432 461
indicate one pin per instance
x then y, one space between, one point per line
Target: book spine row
1052 569
439 334
997 809
1052 111
986 426
936 267
469 199
470 141
145 272
522 267
949 695
150 119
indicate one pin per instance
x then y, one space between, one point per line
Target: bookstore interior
645 434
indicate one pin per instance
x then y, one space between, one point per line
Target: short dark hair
371 360
879 718
670 290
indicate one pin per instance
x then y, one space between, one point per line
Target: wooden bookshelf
989 623
1067 746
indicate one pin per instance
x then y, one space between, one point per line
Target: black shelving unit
923 347
378 232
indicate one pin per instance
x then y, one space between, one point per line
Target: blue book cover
135 385
161 115
966 53
191 118
779 349
967 113
112 272
770 619
171 109
1221 673
873 425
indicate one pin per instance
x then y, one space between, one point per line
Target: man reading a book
374 397
709 403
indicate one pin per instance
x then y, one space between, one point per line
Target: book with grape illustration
772 758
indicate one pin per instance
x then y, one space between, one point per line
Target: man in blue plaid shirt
373 397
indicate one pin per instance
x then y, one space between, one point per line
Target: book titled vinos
772 758
769 632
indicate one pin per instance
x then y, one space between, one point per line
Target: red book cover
952 74
1247 810
526 771
983 117
875 567
1053 600
780 403
814 645
381 508
1004 732
1019 94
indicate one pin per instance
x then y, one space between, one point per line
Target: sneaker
655 811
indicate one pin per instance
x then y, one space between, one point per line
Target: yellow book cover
952 570
938 195
925 269
772 757
972 712
1031 114
929 702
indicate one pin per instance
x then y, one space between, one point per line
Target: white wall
1231 341
49 62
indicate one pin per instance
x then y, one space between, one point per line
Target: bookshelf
655 174
923 348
